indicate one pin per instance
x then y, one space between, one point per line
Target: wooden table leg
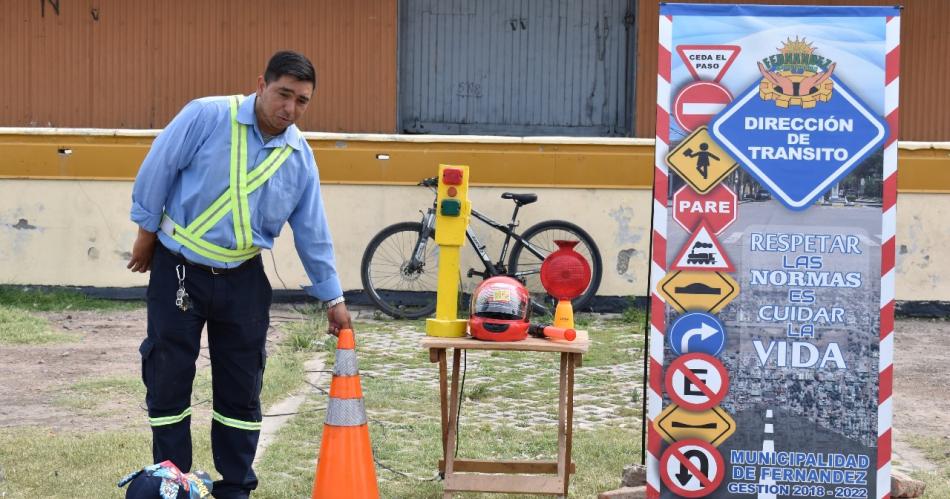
570 417
453 417
562 417
443 397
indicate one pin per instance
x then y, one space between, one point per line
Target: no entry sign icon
692 468
698 102
697 381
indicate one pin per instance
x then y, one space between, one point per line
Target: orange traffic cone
345 467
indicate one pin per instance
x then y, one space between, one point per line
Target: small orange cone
345 467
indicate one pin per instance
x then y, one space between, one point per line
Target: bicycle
399 269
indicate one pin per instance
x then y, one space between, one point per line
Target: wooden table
531 477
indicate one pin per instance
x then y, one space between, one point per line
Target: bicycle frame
491 269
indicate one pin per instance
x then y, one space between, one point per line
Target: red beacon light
565 274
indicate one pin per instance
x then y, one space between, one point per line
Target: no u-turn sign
692 468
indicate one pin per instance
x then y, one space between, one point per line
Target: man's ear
260 85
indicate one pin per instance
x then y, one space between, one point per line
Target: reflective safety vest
233 200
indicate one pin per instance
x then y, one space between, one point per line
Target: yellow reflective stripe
236 423
237 167
167 420
234 200
243 207
264 172
211 216
209 250
219 208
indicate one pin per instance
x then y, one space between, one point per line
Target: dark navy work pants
235 307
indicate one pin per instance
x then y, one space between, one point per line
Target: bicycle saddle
520 199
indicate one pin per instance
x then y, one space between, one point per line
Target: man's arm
142 251
171 151
315 247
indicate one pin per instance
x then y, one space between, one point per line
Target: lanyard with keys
182 301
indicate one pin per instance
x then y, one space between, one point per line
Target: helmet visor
500 301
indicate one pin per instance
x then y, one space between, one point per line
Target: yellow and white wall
65 194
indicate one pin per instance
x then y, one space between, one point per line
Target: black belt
208 268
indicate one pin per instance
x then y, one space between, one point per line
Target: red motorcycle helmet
500 309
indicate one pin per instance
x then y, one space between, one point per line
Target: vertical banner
772 280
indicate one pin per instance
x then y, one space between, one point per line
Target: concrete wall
77 232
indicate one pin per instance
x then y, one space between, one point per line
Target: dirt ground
34 378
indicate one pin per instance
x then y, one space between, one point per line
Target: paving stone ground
604 396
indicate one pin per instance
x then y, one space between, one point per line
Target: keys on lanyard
182 300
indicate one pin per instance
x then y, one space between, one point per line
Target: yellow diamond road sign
714 425
698 290
700 161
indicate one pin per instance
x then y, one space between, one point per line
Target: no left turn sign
692 468
696 381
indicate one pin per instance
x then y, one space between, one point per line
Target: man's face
281 103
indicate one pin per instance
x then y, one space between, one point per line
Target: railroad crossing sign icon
717 208
692 468
697 332
696 381
675 424
698 102
700 161
688 291
708 62
799 152
702 251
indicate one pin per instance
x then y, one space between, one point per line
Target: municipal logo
796 76
799 130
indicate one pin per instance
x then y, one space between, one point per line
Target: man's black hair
288 62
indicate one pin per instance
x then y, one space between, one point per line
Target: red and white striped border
888 230
658 258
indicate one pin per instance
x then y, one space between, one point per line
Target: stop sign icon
698 102
717 208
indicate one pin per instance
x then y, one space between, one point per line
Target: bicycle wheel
398 287
525 263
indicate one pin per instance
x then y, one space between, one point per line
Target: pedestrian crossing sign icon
700 161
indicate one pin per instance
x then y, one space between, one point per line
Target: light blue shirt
188 167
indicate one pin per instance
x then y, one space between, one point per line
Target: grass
938 482
39 462
89 395
402 399
20 326
57 300
400 386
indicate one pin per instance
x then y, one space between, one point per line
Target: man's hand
142 251
338 318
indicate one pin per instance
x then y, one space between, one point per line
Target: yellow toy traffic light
451 219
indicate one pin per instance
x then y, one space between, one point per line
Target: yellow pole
453 210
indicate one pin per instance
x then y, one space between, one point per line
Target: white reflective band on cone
345 363
346 412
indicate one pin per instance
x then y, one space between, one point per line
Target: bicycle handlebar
429 182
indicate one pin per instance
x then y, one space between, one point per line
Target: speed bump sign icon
691 290
700 161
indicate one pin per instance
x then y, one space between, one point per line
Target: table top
531 344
